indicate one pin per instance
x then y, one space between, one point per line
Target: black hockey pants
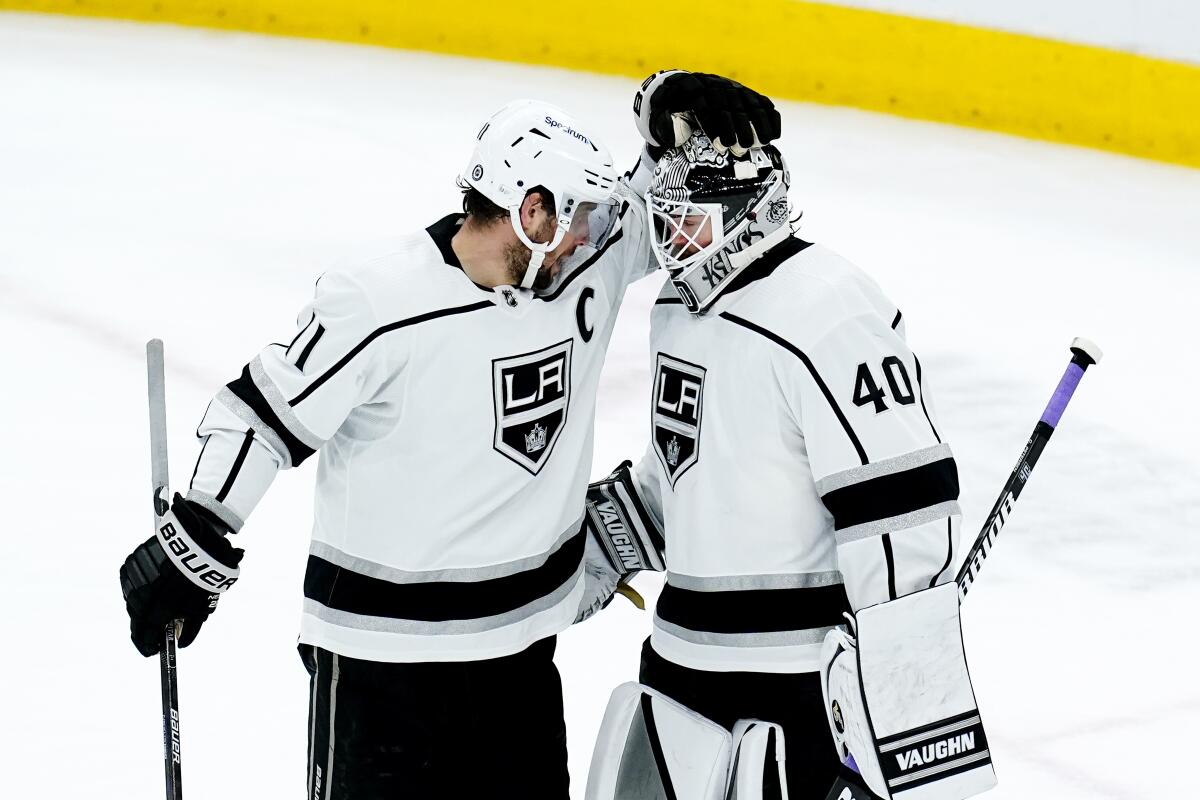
445 730
793 701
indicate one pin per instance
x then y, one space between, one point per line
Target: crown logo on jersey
673 452
536 439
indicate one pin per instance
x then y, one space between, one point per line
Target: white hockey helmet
698 191
529 144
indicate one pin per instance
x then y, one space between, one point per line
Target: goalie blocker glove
177 574
622 538
672 102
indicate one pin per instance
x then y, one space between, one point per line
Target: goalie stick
1083 355
159 480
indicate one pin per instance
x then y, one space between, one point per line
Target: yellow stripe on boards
815 52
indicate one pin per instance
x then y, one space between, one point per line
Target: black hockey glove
177 574
723 108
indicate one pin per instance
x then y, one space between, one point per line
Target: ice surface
190 185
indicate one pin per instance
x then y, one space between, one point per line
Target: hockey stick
159 480
1084 354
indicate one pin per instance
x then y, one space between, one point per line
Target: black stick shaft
160 480
1081 359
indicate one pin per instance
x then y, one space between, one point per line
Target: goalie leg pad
900 703
759 760
650 748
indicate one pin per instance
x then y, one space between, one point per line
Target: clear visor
683 232
593 223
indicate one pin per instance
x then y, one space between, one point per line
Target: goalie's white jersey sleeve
797 463
454 426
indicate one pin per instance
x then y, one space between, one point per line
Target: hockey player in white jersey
449 388
796 479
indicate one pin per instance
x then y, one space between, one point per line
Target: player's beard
517 257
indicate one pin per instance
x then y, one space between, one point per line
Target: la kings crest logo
676 408
531 393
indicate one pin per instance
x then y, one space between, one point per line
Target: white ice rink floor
190 185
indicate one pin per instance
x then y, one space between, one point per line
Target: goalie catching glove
672 103
177 574
622 538
899 700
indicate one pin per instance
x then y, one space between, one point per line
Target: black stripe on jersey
921 389
784 343
754 610
669 301
395 326
343 589
893 495
890 558
308 348
303 330
949 554
249 394
896 321
237 466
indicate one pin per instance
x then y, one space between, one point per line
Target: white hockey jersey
795 464
454 425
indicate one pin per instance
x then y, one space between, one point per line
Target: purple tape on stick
852 764
1062 395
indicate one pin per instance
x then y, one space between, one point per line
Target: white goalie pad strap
200 568
642 105
617 520
900 702
650 748
759 759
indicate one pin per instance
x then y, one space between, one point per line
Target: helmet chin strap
538 252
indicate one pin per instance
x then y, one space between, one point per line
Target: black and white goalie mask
712 213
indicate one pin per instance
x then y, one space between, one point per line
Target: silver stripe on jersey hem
246 414
451 627
383 572
898 523
742 583
222 511
888 466
279 405
767 639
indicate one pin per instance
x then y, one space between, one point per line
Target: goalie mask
712 213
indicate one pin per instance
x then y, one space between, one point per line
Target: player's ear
532 209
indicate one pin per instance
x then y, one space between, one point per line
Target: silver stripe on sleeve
451 627
246 414
888 466
222 511
279 405
738 583
898 523
767 639
383 572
